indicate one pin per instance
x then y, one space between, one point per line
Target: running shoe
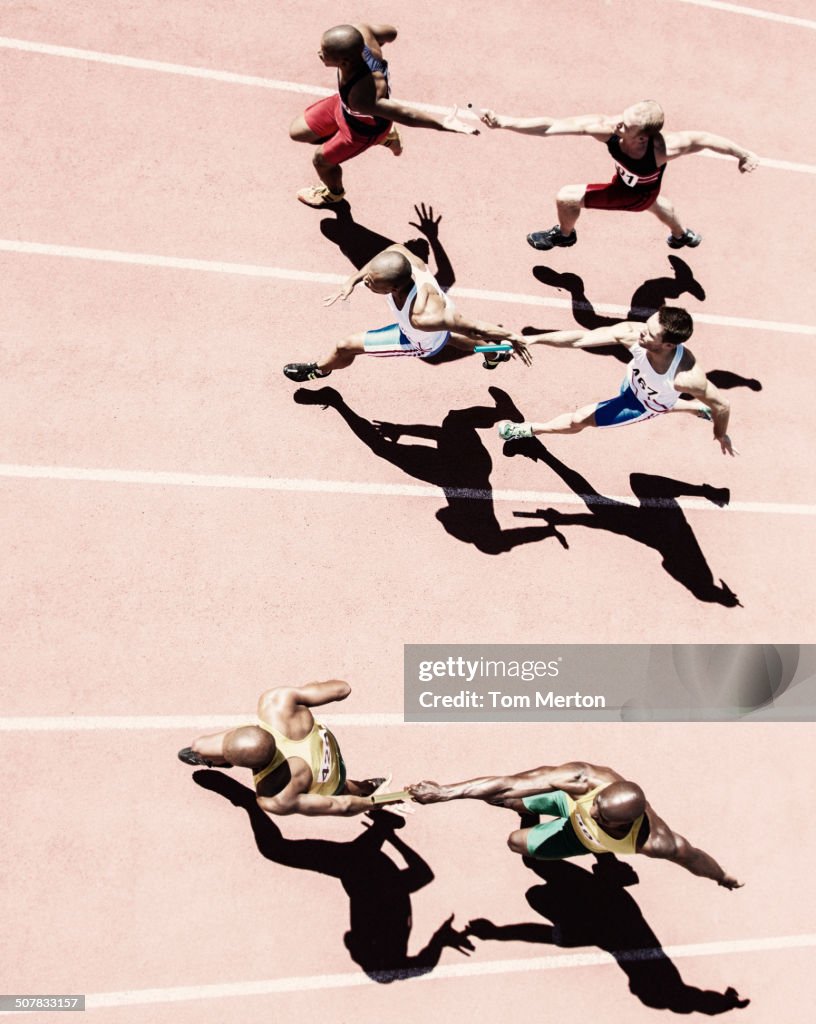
705 413
319 196
189 756
688 238
546 240
492 359
514 431
300 372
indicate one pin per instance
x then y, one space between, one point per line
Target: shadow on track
645 301
594 909
658 521
379 891
459 463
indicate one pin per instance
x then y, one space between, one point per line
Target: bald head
621 802
249 747
342 42
390 268
646 115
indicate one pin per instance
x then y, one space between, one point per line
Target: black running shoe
492 359
300 372
189 756
688 238
550 239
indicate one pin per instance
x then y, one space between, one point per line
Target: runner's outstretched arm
682 143
599 126
621 334
575 778
669 845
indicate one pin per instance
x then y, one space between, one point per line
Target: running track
179 534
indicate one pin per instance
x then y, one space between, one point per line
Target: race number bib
627 177
326 760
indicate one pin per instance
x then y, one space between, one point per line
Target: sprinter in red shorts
362 114
640 151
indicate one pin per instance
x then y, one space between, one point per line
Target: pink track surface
144 599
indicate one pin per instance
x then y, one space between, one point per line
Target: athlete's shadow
360 244
458 462
646 300
594 909
379 891
658 521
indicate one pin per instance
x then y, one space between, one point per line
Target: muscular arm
681 143
668 845
290 700
430 313
382 33
314 806
354 279
413 117
574 777
696 384
625 333
599 126
313 695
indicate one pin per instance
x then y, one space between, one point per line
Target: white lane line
554 962
91 723
96 57
283 274
268 483
751 12
231 77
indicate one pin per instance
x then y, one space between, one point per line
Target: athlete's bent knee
571 195
320 162
517 842
299 131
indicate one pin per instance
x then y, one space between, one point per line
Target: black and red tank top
365 124
642 174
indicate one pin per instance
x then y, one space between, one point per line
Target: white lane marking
90 723
281 273
554 962
268 483
95 56
751 12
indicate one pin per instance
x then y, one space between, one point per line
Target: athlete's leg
569 202
664 210
566 423
212 747
344 352
329 173
299 131
342 355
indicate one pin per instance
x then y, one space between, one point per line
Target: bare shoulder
661 841
369 37
688 361
428 301
278 793
627 332
689 373
604 127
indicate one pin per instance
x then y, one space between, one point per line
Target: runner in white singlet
661 368
426 319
